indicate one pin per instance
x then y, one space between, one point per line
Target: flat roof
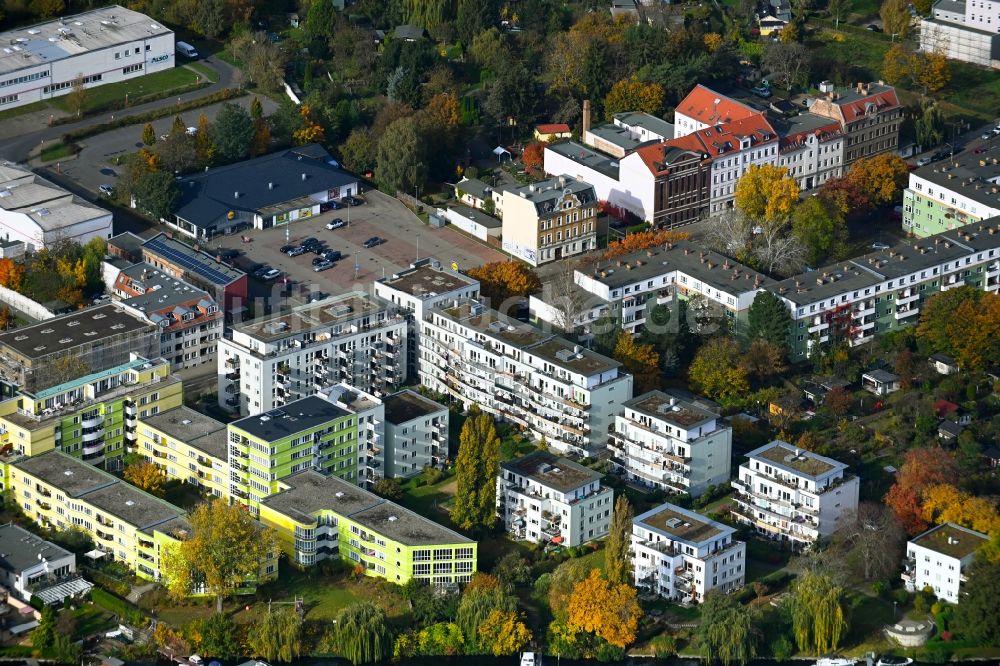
404 526
303 414
969 174
407 405
192 428
477 216
572 357
191 260
48 205
617 135
132 505
952 540
162 290
309 492
560 474
794 459
127 243
679 524
671 408
74 477
587 157
656 125
20 549
83 327
304 318
58 39
426 279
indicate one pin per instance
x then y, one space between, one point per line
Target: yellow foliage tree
631 94
974 332
932 70
767 193
443 111
311 132
717 372
609 612
11 274
880 179
147 476
500 280
897 63
713 41
944 503
503 633
640 361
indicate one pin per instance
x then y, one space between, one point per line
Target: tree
716 372
610 612
837 9
763 359
768 319
642 240
501 280
178 152
881 178
510 94
476 468
503 633
262 60
77 96
320 20
639 360
157 193
11 274
475 608
561 584
964 323
713 41
873 539
732 234
726 631
766 193
147 476
215 635
817 613
980 606
929 125
358 151
361 633
233 133
225 549
943 503
512 570
148 134
820 227
44 635
400 157
275 635
389 489
631 94
897 63
472 17
786 61
895 17
533 155
210 18
937 314
617 547
922 468
204 149
310 131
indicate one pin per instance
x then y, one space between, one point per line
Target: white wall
631 191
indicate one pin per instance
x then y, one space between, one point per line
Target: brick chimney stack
586 116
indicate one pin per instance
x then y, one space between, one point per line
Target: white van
187 50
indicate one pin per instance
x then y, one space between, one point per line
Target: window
421 570
422 556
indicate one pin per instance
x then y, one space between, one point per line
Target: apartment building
966 30
416 434
549 220
944 196
855 300
37 357
545 499
681 171
811 147
189 446
375 449
734 147
681 555
31 566
938 557
793 495
320 517
352 338
869 114
539 381
666 442
188 318
703 108
423 285
92 417
311 433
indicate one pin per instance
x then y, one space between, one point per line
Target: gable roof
663 154
722 139
552 128
712 108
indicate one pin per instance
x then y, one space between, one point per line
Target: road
20 134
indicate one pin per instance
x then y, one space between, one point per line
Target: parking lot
406 239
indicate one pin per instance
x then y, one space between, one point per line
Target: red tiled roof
831 128
553 128
653 154
943 408
755 126
700 105
855 109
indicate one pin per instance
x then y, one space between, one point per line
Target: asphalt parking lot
406 240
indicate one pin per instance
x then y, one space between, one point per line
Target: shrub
664 646
946 636
781 649
880 587
901 596
433 475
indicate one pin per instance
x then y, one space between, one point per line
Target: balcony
91 448
945 286
817 327
44 506
233 376
104 536
908 312
42 491
93 421
907 297
233 401
233 362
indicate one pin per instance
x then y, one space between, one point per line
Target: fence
411 201
25 305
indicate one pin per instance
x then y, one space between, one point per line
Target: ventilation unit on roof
275 413
68 472
673 522
186 421
393 519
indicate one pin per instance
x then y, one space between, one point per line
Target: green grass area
427 500
141 89
205 71
56 151
91 620
183 495
324 595
866 618
865 7
34 107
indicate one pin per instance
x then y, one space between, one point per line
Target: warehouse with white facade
101 46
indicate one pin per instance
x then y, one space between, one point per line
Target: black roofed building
547 221
260 193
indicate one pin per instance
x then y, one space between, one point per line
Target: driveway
407 239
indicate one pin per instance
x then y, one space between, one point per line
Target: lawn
151 86
866 616
91 619
324 596
27 108
56 151
205 71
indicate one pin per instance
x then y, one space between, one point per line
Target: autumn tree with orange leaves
500 280
11 274
642 240
640 361
311 131
610 612
533 155
945 503
922 469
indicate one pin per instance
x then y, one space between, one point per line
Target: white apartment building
793 495
937 558
537 380
681 555
549 500
375 447
948 195
666 442
703 108
966 30
734 148
352 338
101 46
416 434
811 148
547 221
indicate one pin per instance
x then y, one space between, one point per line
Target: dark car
322 265
226 255
285 248
332 255
306 242
320 259
873 28
352 201
373 241
296 251
261 271
334 205
335 223
318 248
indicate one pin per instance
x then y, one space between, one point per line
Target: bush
781 649
36 603
901 596
880 587
663 646
433 475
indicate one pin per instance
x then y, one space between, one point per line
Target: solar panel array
196 263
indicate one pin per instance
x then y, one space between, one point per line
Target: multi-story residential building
311 433
547 221
423 285
416 434
966 30
681 555
539 381
374 448
549 500
189 319
319 517
857 299
129 525
811 147
734 147
947 195
226 284
869 114
57 350
667 442
938 557
703 108
793 495
681 170
93 416
352 338
31 566
187 445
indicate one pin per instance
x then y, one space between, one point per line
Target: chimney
270 186
236 195
586 116
303 176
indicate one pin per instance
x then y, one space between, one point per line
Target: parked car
318 260
871 27
335 223
924 161
352 201
322 265
761 91
317 248
332 255
296 251
986 136
285 248
373 241
334 204
195 659
106 189
259 273
878 245
272 274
